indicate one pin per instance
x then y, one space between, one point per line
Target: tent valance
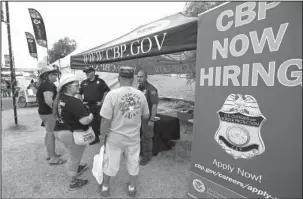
175 33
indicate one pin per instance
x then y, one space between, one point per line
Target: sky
89 23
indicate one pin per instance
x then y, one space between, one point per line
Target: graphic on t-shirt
130 105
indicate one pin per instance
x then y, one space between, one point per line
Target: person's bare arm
153 112
87 120
48 98
104 127
101 102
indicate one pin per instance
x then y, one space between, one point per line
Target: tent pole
13 77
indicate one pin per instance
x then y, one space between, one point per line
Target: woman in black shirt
45 95
70 111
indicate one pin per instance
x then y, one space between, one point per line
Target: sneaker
104 194
81 169
131 193
77 184
144 161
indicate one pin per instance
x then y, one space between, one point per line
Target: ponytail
41 79
56 103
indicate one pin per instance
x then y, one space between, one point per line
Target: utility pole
11 56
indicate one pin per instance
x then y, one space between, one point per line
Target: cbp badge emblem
240 124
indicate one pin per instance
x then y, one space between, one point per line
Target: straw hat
47 69
65 79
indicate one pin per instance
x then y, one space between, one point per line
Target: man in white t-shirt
123 111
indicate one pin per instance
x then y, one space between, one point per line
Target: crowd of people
121 118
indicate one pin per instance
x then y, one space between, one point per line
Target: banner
175 33
7 61
247 140
31 45
2 15
176 63
39 28
187 68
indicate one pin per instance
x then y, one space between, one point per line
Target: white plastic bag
98 166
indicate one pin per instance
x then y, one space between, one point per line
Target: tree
61 48
193 9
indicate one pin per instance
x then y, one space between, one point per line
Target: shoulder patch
153 92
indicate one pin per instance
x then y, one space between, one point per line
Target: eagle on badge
239 132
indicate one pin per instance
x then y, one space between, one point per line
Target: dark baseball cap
88 69
126 72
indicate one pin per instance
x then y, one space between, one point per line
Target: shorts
49 122
112 157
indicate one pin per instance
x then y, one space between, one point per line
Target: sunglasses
77 85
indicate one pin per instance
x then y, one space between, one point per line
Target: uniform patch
153 92
98 82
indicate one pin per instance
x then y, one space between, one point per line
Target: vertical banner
2 15
248 109
7 61
39 28
31 45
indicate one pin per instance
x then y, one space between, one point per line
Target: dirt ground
26 173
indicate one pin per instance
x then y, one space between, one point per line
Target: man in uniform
151 95
94 90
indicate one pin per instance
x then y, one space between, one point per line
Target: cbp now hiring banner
31 45
39 28
248 108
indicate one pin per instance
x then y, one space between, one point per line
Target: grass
174 87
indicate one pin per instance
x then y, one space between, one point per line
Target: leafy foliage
193 9
61 48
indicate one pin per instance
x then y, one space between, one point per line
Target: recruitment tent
170 35
64 65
